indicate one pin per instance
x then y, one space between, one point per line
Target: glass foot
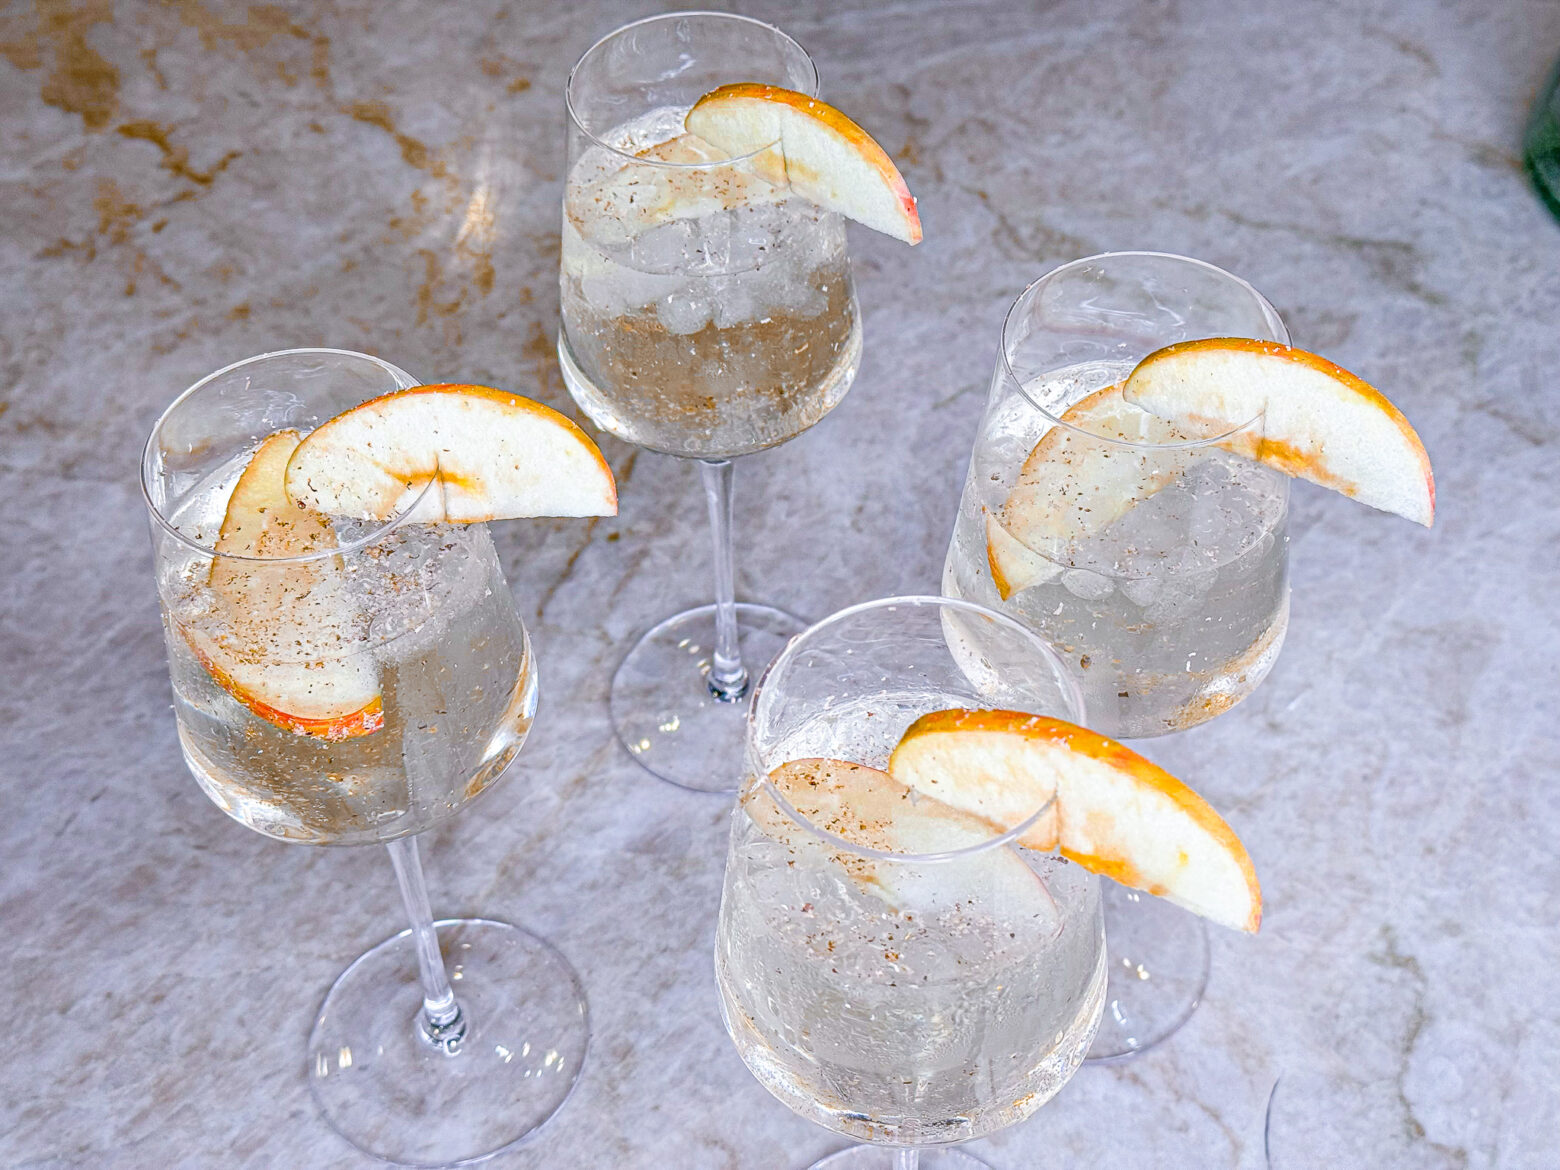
1342 1116
663 710
884 1158
392 1094
1157 957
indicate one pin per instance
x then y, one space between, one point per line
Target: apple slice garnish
493 456
869 808
617 206
1116 813
1319 422
829 160
285 639
1072 486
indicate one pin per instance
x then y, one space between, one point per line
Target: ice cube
668 249
1214 527
1176 600
735 302
1140 590
1088 585
617 289
1192 570
684 311
791 294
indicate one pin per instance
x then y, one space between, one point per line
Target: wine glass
937 981
360 692
1334 1111
706 313
1150 555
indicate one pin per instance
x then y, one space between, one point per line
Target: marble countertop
188 183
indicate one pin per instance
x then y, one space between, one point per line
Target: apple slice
829 160
1116 813
493 456
1072 486
869 808
614 206
284 639
704 157
1320 422
1014 565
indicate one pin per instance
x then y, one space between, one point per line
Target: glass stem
440 1022
907 1159
728 677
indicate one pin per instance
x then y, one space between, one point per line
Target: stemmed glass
1152 557
1345 1112
409 1060
937 984
707 313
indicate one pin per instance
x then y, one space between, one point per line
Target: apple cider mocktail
898 1000
916 1025
707 311
1160 570
911 947
422 613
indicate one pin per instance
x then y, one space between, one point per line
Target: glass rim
1072 695
578 123
1009 320
351 546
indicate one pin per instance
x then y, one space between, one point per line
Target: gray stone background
183 184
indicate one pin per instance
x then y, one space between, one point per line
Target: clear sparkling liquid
923 1023
455 671
1173 612
723 325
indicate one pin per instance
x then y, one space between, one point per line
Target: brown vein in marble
80 80
115 213
474 240
539 347
1390 956
116 216
568 567
425 291
1393 262
472 249
1129 1074
149 59
262 24
410 225
413 152
1407 47
175 159
1033 239
913 152
500 66
621 476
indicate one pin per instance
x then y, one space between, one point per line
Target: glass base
392 1094
1157 959
883 1158
1344 1116
663 710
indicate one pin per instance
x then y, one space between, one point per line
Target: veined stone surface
186 184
